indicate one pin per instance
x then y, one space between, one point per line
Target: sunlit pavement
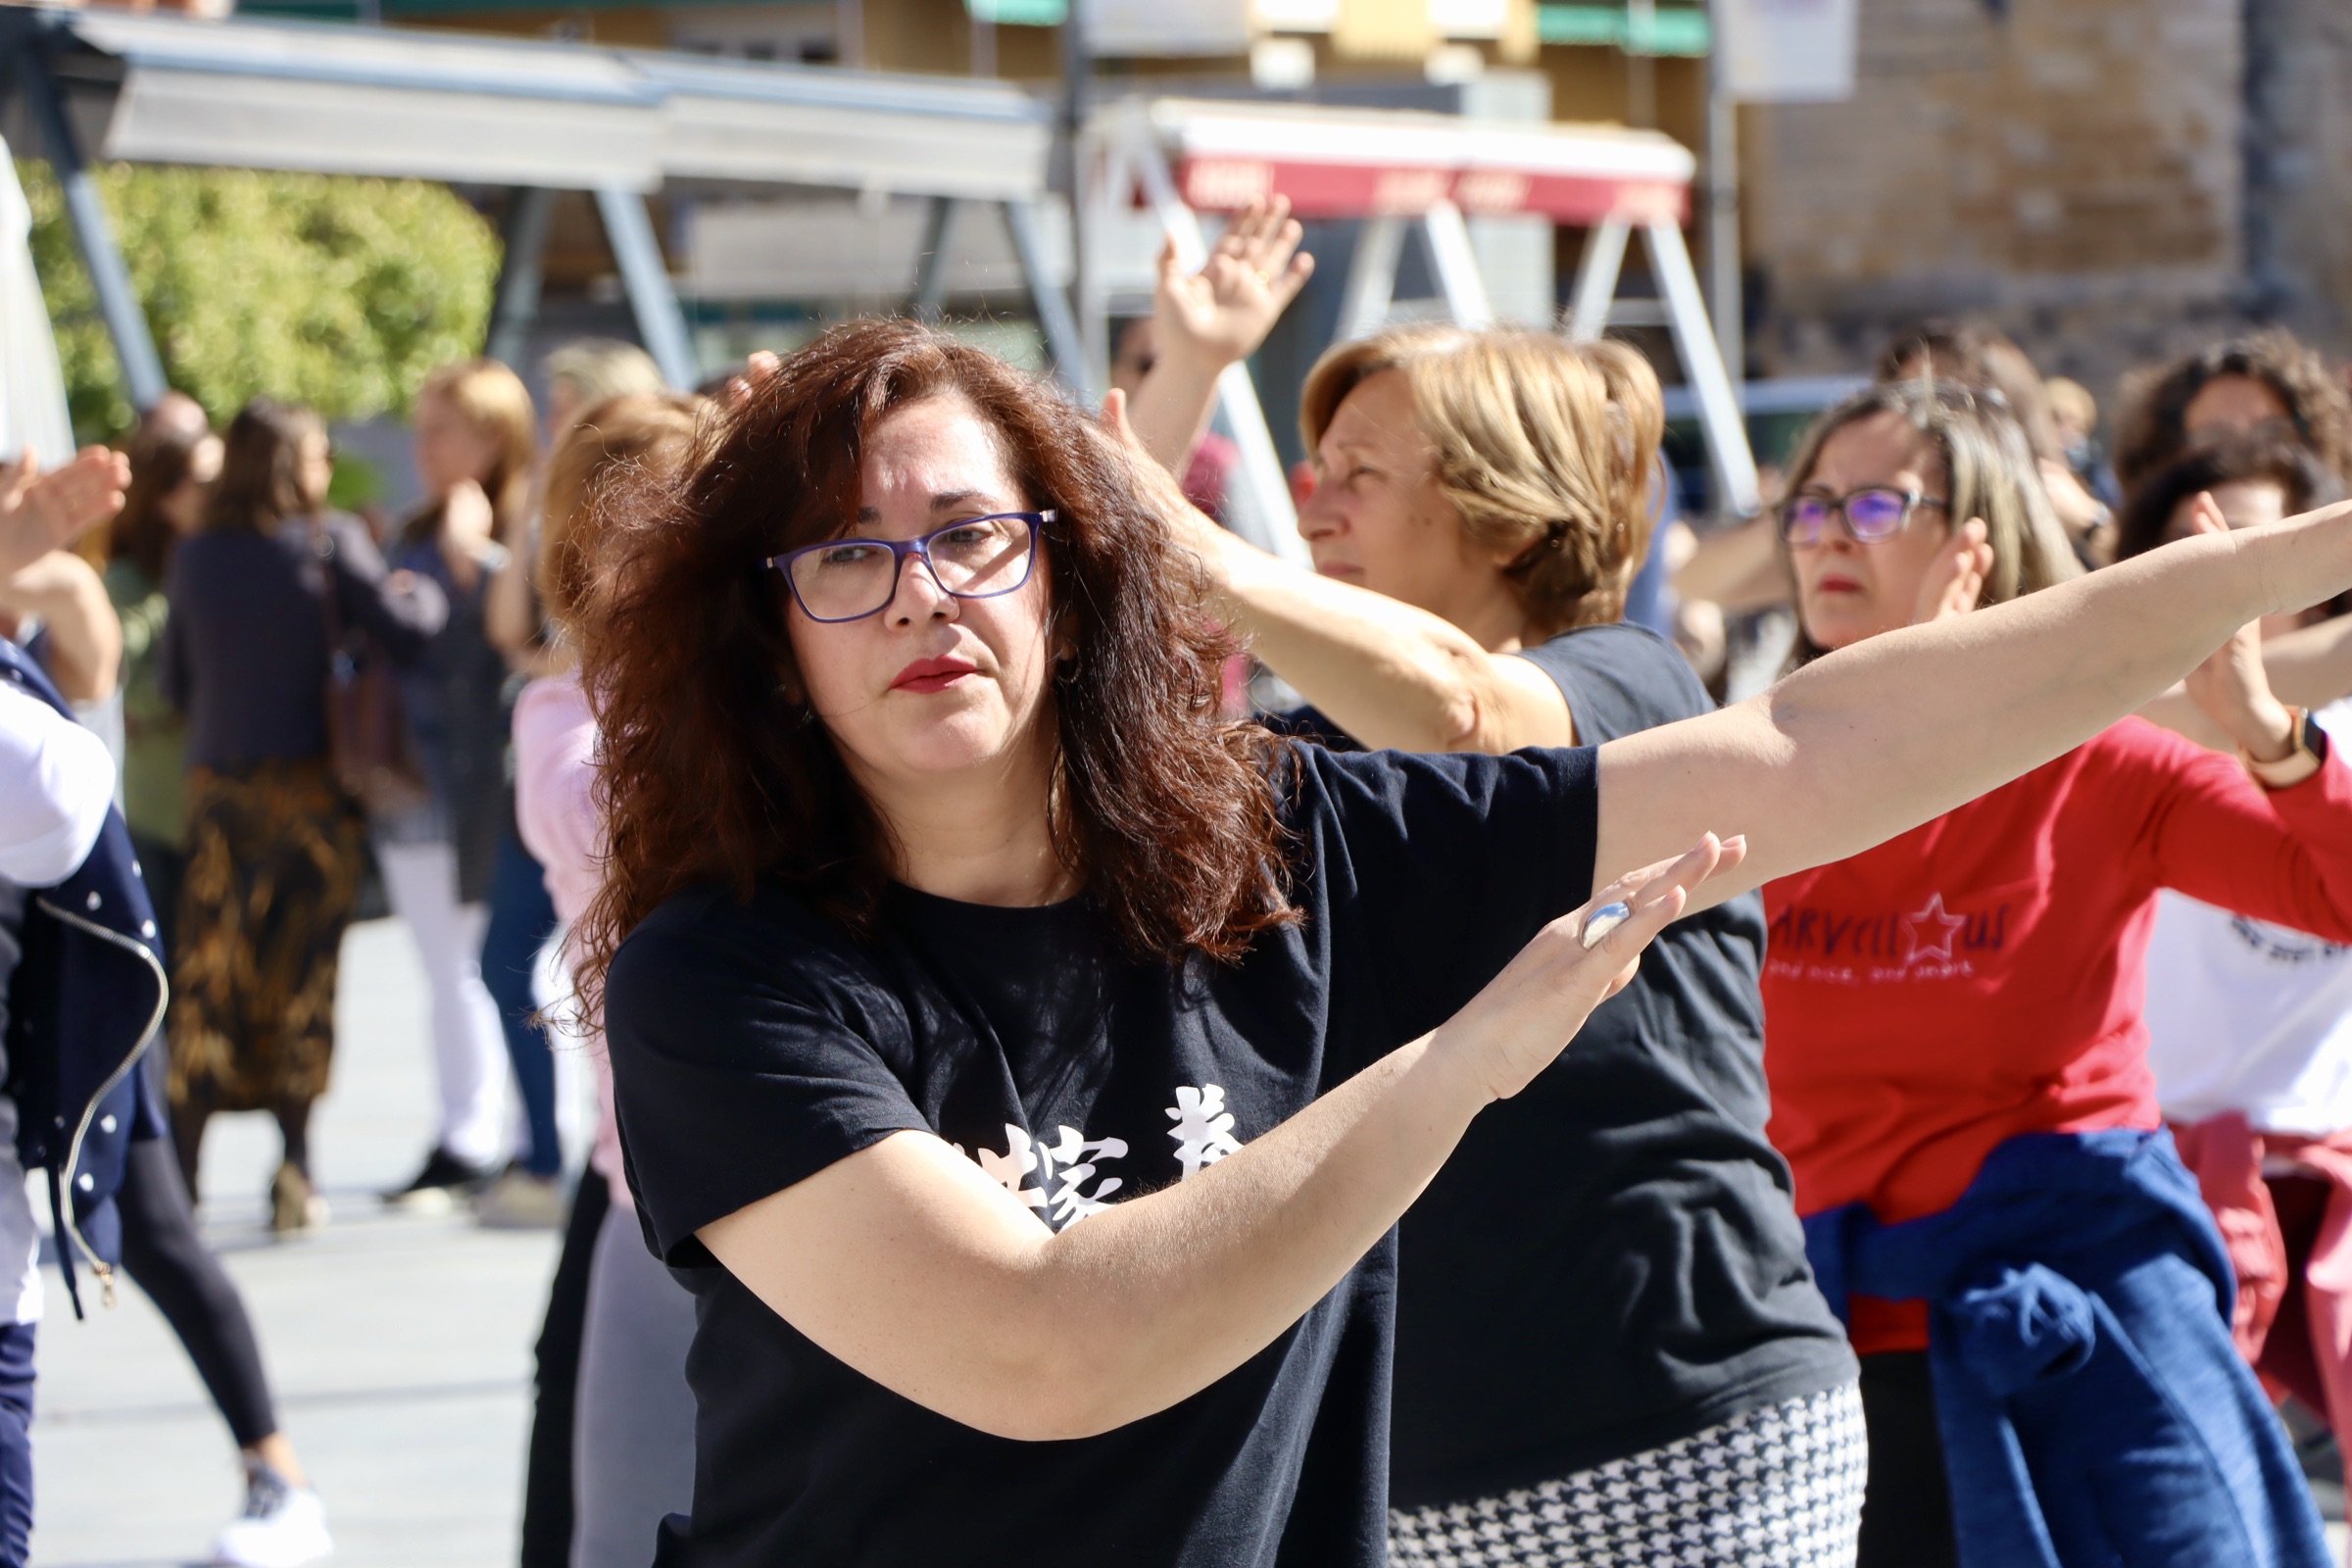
399 1347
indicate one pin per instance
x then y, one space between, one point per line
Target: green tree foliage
336 292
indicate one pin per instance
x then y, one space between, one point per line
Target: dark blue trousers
16 1442
522 916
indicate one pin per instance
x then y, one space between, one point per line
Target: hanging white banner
1786 51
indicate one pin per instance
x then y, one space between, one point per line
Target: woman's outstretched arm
911 1265
1878 738
1389 674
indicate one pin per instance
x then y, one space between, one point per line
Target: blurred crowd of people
300 699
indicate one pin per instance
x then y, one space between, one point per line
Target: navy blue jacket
2094 1409
85 1005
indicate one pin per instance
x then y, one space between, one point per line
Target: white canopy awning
333 99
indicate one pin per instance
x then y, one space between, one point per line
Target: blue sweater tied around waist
2093 1410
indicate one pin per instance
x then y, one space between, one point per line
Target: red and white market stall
1403 173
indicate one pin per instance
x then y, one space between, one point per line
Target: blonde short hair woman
1621 1229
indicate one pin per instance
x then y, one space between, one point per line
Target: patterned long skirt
1775 1487
273 864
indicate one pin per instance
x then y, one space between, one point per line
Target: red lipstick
932 675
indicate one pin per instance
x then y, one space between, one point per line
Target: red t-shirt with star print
1983 976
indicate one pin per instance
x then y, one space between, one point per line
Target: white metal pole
1456 265
1738 492
1371 276
1596 274
645 278
1724 303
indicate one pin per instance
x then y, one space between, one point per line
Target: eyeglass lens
1872 516
971 559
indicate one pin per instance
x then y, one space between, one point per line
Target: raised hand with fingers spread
1203 321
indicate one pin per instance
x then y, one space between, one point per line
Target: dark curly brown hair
713 769
2247 458
2149 434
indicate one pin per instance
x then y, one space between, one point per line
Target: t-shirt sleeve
742 1062
1439 869
2211 832
56 783
1620 679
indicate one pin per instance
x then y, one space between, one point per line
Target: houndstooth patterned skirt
1777 1488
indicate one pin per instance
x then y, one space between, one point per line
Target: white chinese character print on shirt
1071 1160
1008 1169
1204 1130
1071 1182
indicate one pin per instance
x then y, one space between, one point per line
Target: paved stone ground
400 1348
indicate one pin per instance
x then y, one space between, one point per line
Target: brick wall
2069 170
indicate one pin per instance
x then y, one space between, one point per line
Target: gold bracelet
2300 763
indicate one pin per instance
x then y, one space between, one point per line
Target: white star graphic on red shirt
1920 944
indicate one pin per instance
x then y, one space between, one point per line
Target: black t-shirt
753 1045
1610 1260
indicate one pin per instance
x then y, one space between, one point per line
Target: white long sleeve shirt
56 782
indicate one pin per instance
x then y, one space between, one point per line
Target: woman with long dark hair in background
275 845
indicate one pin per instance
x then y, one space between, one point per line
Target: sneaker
283 1526
436 1189
295 1206
521 1202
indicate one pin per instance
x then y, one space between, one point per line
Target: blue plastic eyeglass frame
900 550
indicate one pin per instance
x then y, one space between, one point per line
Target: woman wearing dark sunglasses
1026 1070
1958 1062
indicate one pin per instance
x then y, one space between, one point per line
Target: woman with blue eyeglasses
1958 1062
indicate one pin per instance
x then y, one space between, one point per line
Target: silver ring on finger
1603 920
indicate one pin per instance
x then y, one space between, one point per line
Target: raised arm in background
401 610
85 639
1203 321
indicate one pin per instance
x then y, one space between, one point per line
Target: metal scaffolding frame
1409 175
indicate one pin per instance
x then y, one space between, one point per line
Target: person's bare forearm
1171 410
85 639
2311 667
1388 673
1190 1282
1878 738
2177 712
989 1318
508 614
914 1265
1740 568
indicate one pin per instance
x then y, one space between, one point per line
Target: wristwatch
2307 752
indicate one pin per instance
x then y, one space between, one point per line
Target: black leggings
547 1515
1907 1512
163 1252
